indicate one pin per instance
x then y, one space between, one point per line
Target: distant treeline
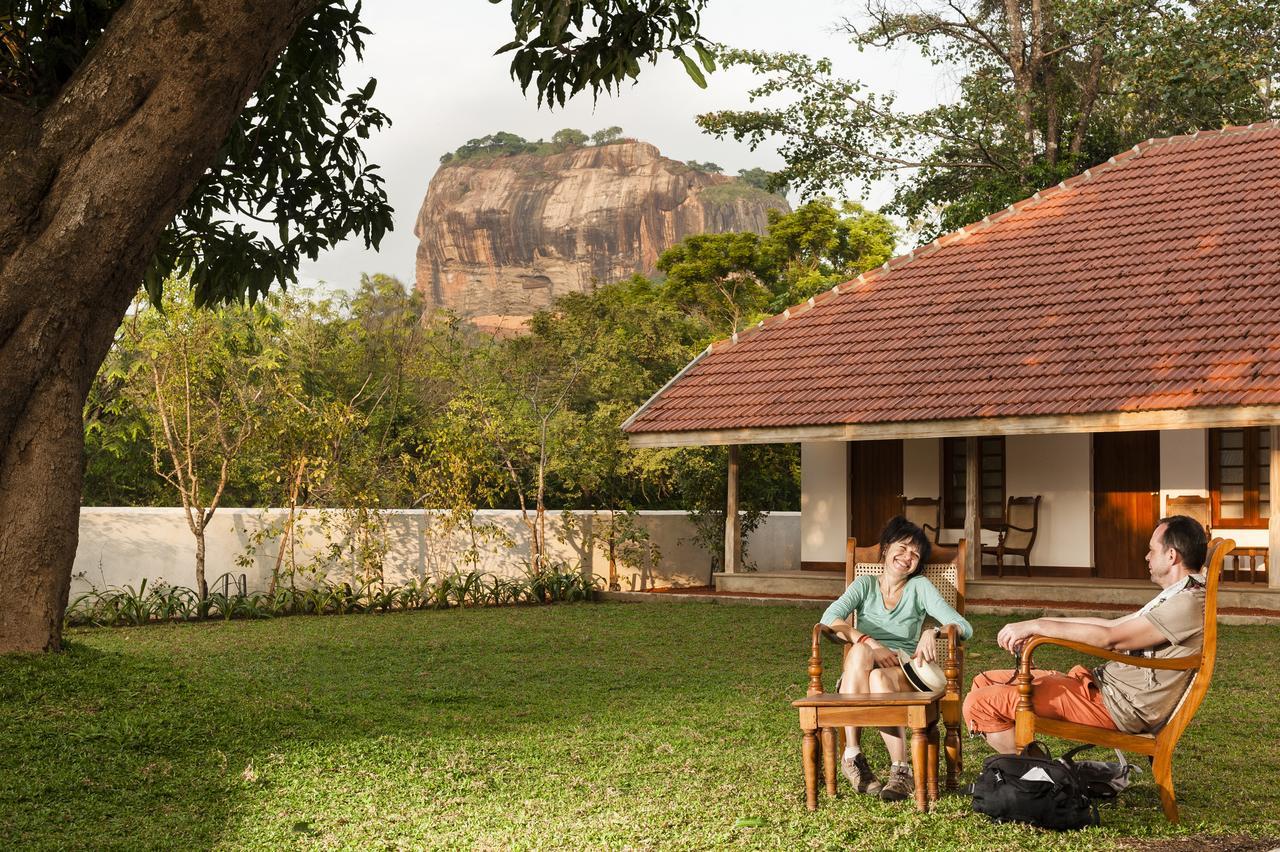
504 144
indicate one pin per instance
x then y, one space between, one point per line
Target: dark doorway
1126 502
875 487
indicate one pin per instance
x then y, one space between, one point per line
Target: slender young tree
202 378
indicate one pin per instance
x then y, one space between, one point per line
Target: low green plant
229 599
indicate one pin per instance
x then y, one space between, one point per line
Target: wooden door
1126 502
875 487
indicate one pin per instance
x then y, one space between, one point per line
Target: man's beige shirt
1141 699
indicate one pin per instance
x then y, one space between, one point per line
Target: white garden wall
122 546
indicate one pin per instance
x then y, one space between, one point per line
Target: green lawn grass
651 726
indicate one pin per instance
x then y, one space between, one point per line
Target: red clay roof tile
1151 281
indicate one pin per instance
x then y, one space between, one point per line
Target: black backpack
1034 788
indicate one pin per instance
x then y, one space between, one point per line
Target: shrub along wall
124 546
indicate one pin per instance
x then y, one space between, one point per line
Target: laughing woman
891 610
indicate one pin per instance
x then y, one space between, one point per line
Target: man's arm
1119 634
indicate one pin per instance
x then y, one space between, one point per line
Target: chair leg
919 756
954 765
809 758
829 759
1162 774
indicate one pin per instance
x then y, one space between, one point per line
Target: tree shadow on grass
180 735
640 725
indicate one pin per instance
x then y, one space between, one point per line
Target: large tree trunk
90 182
40 514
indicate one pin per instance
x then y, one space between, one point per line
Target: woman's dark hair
900 529
1186 535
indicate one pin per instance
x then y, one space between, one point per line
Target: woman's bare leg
855 678
895 739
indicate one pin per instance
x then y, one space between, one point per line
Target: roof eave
1045 424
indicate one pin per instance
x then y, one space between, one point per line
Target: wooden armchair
945 570
926 513
1193 506
1158 745
1017 533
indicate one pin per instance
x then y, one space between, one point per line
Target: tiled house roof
1149 282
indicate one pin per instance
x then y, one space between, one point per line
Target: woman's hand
927 647
882 657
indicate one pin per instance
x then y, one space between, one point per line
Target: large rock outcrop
501 237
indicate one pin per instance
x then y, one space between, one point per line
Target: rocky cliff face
501 237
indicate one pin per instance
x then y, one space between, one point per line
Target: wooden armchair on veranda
1159 745
926 513
1017 533
1193 506
946 571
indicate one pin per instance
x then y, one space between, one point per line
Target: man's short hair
1186 535
900 529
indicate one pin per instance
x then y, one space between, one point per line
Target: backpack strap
1035 748
1069 755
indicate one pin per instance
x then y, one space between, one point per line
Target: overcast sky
441 85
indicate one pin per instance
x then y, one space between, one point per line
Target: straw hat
925 677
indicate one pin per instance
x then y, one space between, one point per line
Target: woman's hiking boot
901 784
859 774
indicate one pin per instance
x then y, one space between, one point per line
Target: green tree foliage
569 137
500 144
606 135
291 162
768 479
566 47
1045 89
708 167
763 179
117 437
201 379
504 144
732 279
367 404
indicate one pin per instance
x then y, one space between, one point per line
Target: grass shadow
586 726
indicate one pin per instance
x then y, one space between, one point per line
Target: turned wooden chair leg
954 755
1162 775
809 757
919 756
933 762
829 759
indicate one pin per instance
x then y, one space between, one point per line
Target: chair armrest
1018 528
954 664
1174 663
820 630
815 654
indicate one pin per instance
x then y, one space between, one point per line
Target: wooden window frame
953 516
1252 495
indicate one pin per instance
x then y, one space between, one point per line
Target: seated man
1116 695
